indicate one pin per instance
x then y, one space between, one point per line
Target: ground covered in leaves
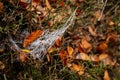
88 50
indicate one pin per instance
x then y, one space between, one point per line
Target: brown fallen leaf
1 6
1 50
91 30
85 45
48 57
48 4
23 56
76 67
103 56
64 56
102 47
83 56
106 75
2 65
33 36
70 51
111 23
58 42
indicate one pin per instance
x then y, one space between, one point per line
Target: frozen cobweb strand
40 46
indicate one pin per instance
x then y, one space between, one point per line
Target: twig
102 10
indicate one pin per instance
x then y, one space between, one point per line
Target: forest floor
88 50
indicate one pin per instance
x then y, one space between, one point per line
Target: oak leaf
33 36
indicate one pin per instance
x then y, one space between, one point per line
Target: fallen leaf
25 50
48 4
58 42
102 47
111 23
113 37
2 65
50 50
23 56
92 31
106 75
94 58
70 51
33 36
48 57
1 50
64 56
62 3
97 14
77 67
86 45
82 56
1 6
103 56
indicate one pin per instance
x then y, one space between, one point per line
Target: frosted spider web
39 47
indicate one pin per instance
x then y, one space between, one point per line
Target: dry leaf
23 56
58 42
103 56
111 23
62 3
2 65
78 68
95 58
97 14
106 75
48 4
48 57
86 45
50 50
64 56
92 31
113 37
1 6
82 56
102 47
70 51
1 50
33 36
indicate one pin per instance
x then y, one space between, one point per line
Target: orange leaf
106 75
62 3
86 45
23 56
58 42
102 47
48 4
64 56
70 51
33 36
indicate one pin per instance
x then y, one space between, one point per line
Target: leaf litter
86 42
